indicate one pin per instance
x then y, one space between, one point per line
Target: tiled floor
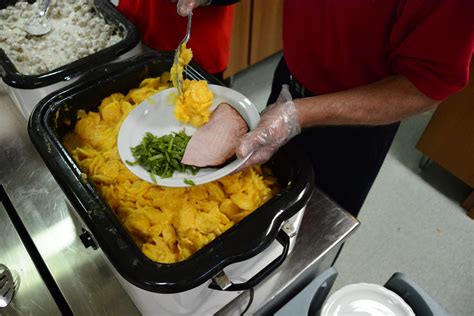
411 221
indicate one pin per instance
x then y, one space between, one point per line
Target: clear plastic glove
186 6
278 124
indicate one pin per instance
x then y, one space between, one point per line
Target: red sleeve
432 44
161 28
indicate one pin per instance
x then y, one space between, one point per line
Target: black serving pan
55 115
131 38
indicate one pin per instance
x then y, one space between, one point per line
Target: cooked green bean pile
161 156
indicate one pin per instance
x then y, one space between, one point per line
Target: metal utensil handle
188 28
45 8
284 240
178 51
96 9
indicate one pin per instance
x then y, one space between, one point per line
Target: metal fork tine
176 62
8 294
3 280
5 288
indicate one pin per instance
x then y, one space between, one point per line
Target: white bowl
156 115
365 299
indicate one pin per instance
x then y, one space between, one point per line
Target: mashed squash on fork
193 106
167 224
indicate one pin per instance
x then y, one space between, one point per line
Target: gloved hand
186 6
278 124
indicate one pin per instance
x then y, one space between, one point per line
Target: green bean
161 156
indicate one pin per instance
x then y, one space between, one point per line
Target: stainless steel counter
83 276
324 228
34 293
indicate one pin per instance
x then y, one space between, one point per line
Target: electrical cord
250 301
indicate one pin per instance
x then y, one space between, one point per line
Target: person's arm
382 102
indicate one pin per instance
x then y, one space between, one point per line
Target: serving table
40 240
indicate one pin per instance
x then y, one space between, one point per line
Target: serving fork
185 40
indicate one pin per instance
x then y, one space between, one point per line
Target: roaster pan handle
284 240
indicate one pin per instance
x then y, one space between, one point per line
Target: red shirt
333 45
161 28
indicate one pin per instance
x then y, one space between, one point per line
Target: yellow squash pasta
168 224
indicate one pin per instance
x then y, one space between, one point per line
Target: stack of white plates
365 299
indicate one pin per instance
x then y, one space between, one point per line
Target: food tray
55 116
130 39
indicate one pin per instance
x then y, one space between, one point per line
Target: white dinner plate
365 299
156 115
